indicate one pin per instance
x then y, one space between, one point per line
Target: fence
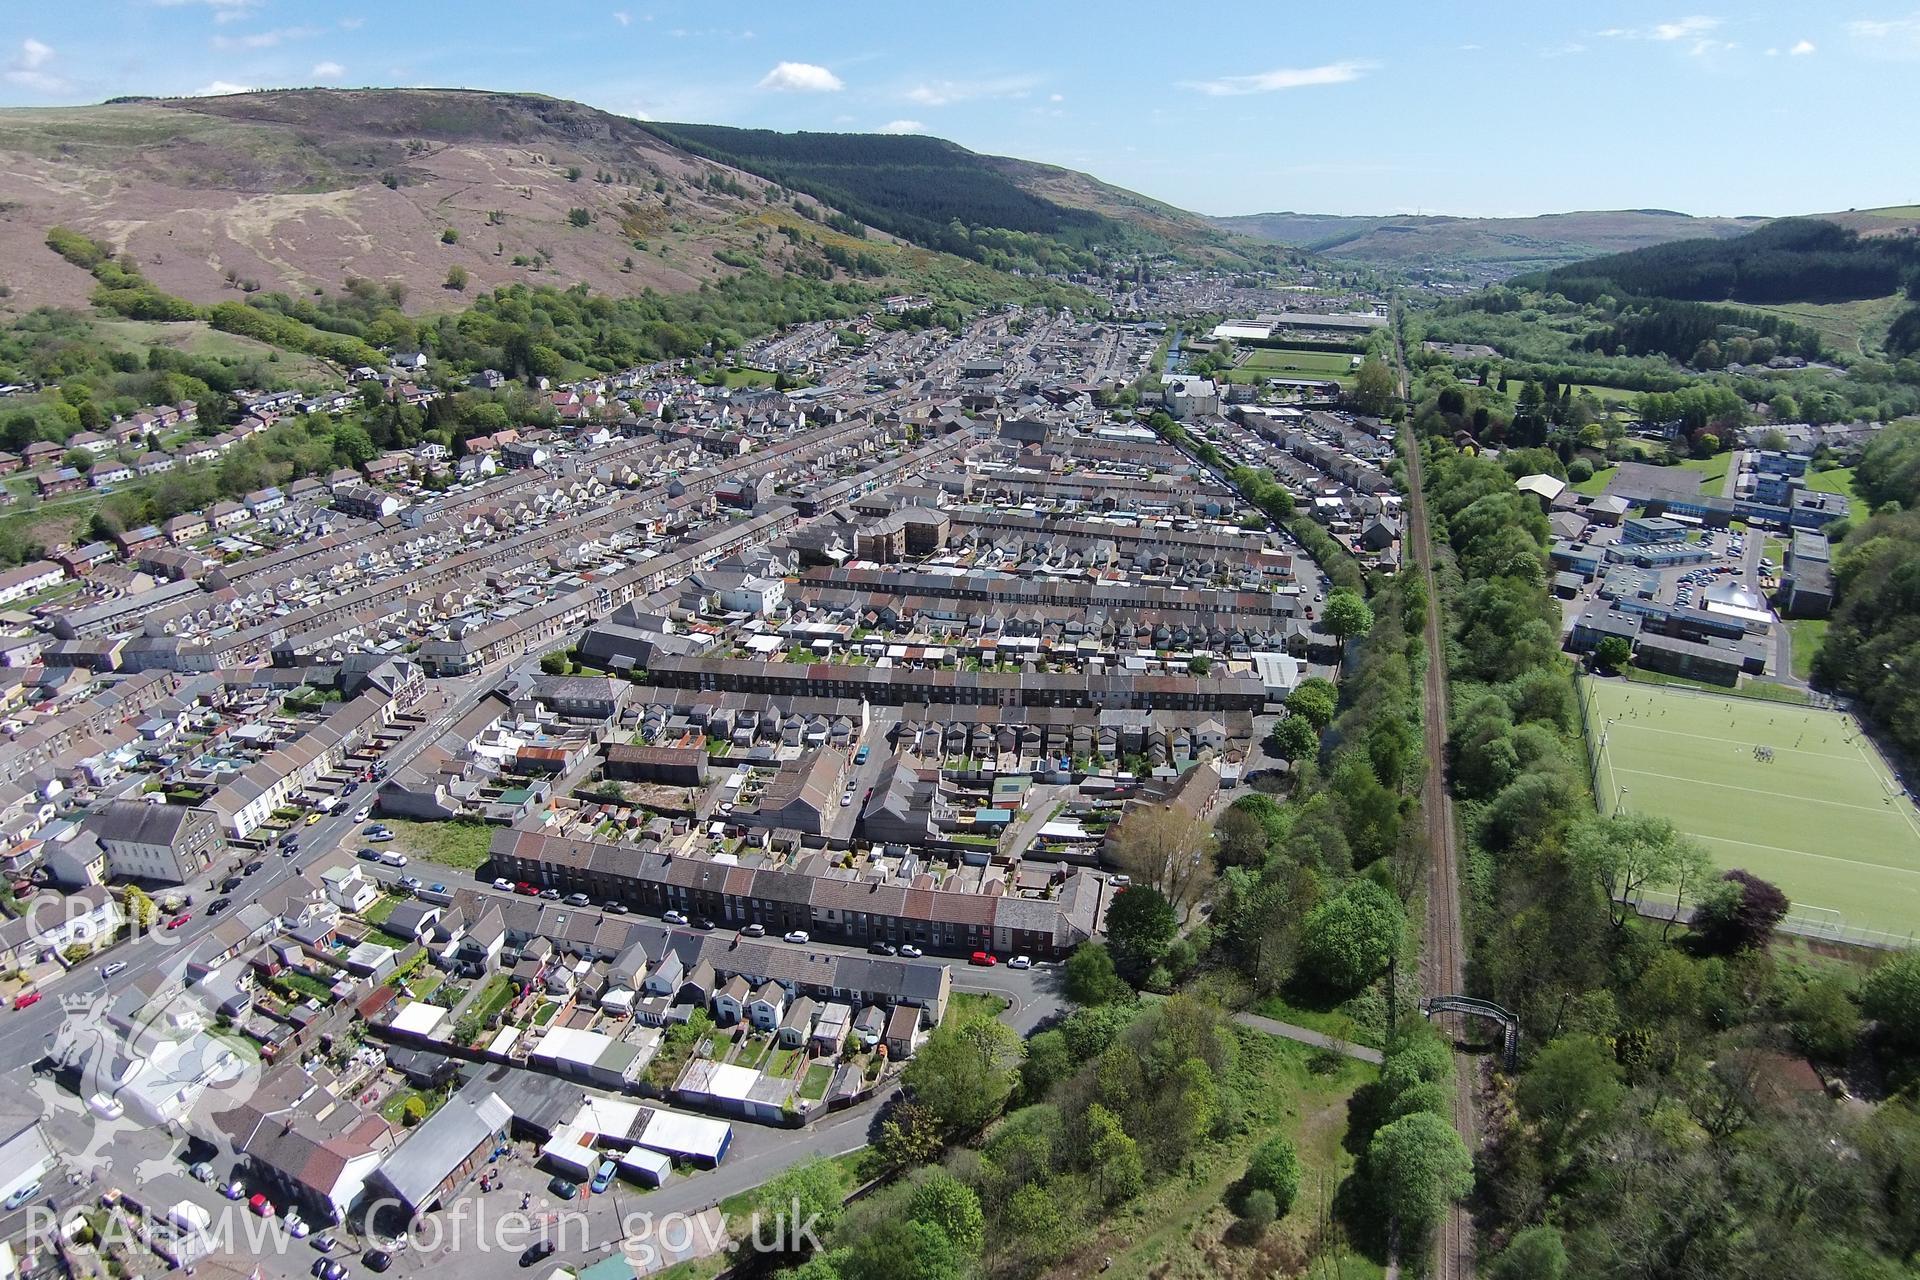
1819 924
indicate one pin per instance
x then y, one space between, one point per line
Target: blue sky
1492 108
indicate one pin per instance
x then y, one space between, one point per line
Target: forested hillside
933 193
1792 260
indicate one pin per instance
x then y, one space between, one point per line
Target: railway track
1444 958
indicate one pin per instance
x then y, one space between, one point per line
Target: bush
1891 996
1274 1172
1257 1213
1579 471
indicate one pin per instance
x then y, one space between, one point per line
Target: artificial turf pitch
1824 819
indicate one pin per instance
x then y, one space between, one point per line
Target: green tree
909 1136
457 278
1258 1209
1823 1019
942 1200
1348 941
1570 1092
1373 391
450 236
1891 997
1628 853
1537 1253
1275 1169
964 1075
1049 1060
1140 926
1293 738
1315 699
1613 653
894 1248
814 1189
1347 613
555 663
140 909
1091 977
1199 664
1421 1167
1114 1157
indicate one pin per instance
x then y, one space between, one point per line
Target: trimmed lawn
1713 472
461 846
1752 690
497 996
969 1006
382 907
1351 1020
814 1087
780 1063
1596 484
753 1053
1837 480
1808 635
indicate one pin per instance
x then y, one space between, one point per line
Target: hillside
939 195
301 190
1484 248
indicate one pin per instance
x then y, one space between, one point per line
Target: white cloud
224 10
352 24
802 77
1280 78
939 93
903 126
263 39
622 17
28 68
220 89
1056 97
1685 29
328 71
1802 49
1897 38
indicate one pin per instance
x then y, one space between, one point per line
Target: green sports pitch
1822 818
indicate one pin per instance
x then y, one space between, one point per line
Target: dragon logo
146 1061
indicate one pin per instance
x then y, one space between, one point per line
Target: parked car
579 900
256 864
860 756
436 887
561 1187
200 1172
549 895
799 935
879 948
846 798
376 1259
110 1108
526 890
602 1176
501 882
393 859
367 855
329 1269
983 958
218 905
26 999
235 1190
260 1205
1020 962
376 834
231 883
363 815
297 1226
324 1243
108 970
313 817
754 931
910 951
23 1194
615 908
410 883
180 919
674 917
536 1252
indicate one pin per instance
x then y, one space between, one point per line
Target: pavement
1287 1031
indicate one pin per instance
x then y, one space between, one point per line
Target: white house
349 889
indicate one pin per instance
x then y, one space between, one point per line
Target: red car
261 1205
25 999
180 919
531 891
982 958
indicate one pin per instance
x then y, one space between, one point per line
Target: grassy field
1713 472
1808 633
460 846
1281 362
1852 328
1822 820
198 338
1596 484
1837 480
970 1006
1759 690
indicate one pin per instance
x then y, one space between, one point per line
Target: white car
799 935
363 815
910 951
1020 962
674 917
118 966
393 859
106 1106
503 883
